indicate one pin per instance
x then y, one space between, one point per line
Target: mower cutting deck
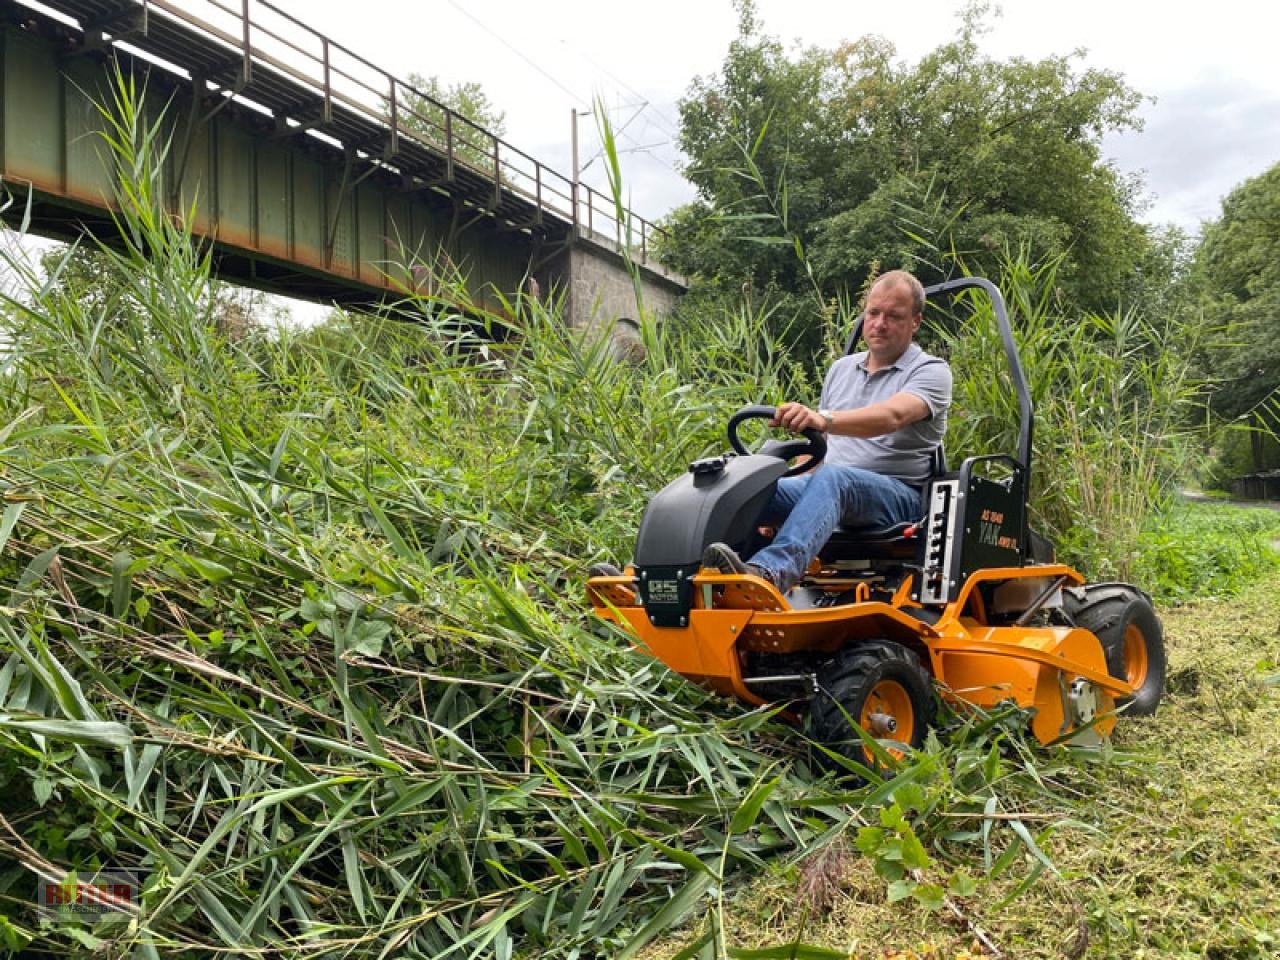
966 601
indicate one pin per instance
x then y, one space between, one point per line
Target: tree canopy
854 158
467 99
1238 266
430 100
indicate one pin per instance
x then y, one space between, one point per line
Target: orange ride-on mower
967 599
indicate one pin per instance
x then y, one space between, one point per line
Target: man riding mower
962 598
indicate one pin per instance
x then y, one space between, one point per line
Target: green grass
291 625
1167 846
1196 550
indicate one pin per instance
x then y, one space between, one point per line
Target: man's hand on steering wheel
808 452
797 418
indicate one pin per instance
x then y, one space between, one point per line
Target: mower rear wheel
1123 620
881 687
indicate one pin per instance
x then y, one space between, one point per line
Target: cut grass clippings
292 630
1175 852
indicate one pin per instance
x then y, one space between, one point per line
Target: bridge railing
260 33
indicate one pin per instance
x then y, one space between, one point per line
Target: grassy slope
1178 854
324 591
281 453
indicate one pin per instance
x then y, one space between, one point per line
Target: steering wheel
814 443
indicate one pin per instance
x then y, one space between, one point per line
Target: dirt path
1255 504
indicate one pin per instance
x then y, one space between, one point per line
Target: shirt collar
902 363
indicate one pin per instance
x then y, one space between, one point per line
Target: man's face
889 321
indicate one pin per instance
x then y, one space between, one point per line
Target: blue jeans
812 505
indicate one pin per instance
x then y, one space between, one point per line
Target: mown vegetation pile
293 629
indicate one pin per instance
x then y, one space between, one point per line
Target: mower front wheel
881 687
1132 638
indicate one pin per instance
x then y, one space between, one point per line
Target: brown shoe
722 557
758 571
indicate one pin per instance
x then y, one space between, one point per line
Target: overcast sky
1209 67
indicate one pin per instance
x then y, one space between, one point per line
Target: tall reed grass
292 626
1115 413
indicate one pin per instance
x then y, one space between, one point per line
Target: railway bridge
313 171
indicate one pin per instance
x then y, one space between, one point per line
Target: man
884 412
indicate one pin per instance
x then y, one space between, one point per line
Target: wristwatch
829 417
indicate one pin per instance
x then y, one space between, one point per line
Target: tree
1238 269
857 159
427 104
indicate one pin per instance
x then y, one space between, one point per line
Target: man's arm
873 420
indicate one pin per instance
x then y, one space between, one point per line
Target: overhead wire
618 132
672 127
667 126
510 46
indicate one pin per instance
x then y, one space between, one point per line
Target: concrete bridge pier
593 277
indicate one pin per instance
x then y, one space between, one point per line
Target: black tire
877 676
1132 638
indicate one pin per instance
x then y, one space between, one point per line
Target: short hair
908 280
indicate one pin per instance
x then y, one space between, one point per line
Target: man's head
894 311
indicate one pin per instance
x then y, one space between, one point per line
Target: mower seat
897 542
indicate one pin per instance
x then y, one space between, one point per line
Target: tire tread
1105 609
850 670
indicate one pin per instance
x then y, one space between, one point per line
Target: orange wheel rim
1135 656
889 699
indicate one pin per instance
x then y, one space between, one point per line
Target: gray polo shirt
906 453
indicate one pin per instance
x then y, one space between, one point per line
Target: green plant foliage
1238 450
871 160
86 269
425 110
292 628
1237 268
1113 397
1193 551
292 625
467 99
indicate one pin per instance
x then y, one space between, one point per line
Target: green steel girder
294 214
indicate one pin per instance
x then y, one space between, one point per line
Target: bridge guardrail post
395 120
577 171
246 71
328 83
448 146
497 172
